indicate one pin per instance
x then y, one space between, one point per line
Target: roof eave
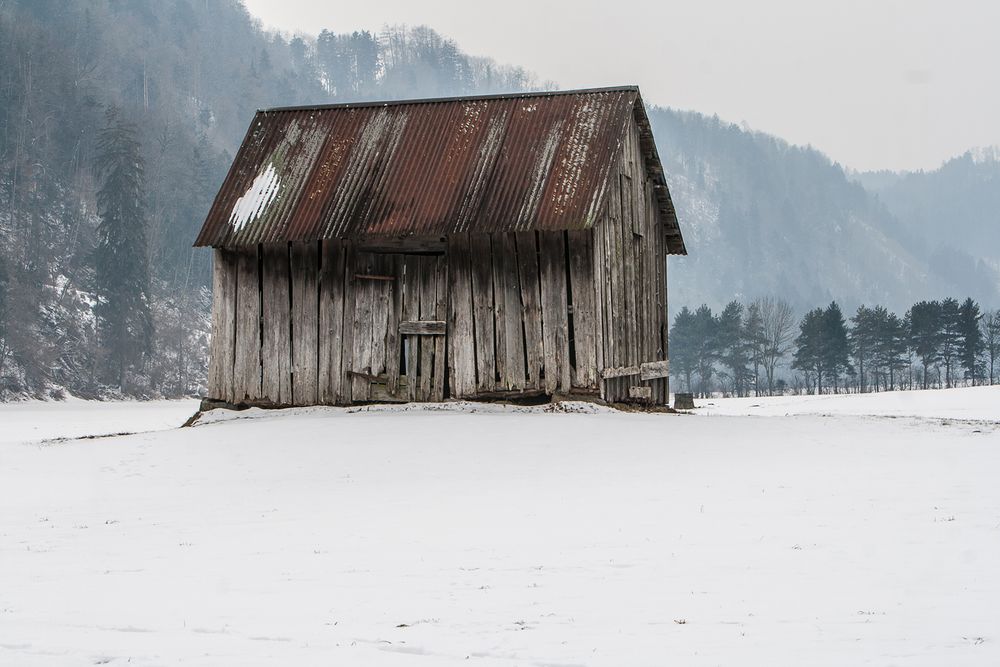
654 167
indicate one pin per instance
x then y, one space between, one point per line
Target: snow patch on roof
261 192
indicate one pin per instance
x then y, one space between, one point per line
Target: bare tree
778 323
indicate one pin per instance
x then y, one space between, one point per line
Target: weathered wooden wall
489 315
511 330
631 285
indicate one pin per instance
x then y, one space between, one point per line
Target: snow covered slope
504 537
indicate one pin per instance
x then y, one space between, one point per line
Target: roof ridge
458 98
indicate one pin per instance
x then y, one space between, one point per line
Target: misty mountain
762 217
954 211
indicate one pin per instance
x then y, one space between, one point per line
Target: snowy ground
964 403
503 537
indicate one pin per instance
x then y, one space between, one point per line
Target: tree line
759 349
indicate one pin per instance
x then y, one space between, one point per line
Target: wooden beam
422 328
619 372
415 244
652 370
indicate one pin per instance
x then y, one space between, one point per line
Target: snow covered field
504 536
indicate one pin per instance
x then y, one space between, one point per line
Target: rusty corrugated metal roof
487 163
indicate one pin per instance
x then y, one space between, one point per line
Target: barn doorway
399 311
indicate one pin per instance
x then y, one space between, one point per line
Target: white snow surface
961 403
462 534
37 421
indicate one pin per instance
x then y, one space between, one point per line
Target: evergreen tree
836 349
4 286
925 334
706 347
862 337
755 340
990 330
971 346
883 347
733 348
951 336
683 359
809 353
894 347
120 259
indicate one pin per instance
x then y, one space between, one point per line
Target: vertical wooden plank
461 345
305 322
246 367
382 295
655 314
331 323
629 275
482 308
440 313
276 346
616 292
499 312
650 338
531 310
361 354
663 284
428 311
223 344
411 312
581 273
392 340
599 291
509 330
350 289
555 311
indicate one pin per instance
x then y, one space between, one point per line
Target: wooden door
422 326
398 348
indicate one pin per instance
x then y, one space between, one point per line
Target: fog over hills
760 216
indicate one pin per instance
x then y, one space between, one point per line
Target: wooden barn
506 246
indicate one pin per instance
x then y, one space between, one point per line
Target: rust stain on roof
532 161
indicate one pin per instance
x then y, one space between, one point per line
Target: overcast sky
894 84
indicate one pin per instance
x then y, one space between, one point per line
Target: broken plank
640 392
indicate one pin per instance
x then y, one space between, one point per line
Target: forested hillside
764 218
185 77
955 212
114 109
